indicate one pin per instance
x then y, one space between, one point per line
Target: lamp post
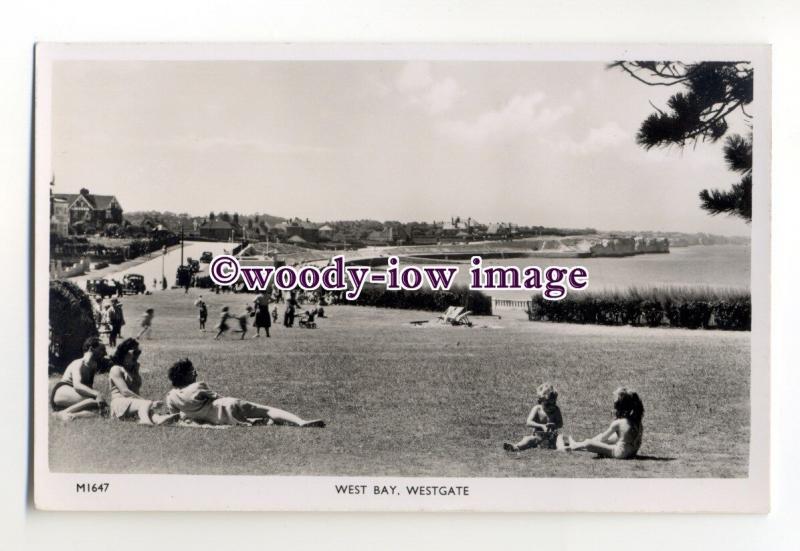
163 276
181 242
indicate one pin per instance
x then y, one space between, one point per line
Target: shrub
690 308
71 323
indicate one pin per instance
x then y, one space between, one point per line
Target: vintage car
206 257
102 287
193 265
133 284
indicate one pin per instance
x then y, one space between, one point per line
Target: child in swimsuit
623 438
195 401
545 420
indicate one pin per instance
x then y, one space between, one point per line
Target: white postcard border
57 491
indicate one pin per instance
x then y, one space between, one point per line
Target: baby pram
307 320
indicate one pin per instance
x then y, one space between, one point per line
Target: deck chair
451 313
462 319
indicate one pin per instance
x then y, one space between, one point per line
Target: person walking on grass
147 323
623 438
202 311
74 397
291 305
243 320
106 326
545 420
195 401
262 315
222 326
119 319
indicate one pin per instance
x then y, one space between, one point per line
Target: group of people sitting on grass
74 396
621 440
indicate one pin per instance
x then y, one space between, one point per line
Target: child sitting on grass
195 401
544 418
623 438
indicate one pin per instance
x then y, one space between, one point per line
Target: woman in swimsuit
125 383
73 396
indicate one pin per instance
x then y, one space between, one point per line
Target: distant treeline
425 299
690 308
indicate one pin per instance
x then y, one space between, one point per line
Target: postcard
403 277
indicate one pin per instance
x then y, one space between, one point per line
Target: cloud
441 96
414 76
609 135
522 115
417 82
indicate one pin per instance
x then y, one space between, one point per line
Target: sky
534 143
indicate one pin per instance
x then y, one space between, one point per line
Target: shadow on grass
642 458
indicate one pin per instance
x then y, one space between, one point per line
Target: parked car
100 265
101 287
133 284
206 257
193 265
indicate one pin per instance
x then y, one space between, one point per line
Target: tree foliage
711 91
71 323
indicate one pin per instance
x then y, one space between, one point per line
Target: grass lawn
401 400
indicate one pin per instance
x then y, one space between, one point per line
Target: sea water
725 266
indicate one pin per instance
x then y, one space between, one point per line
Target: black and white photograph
600 216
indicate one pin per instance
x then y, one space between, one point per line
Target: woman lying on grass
73 396
196 402
545 420
623 438
125 381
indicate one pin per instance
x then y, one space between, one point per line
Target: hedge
691 308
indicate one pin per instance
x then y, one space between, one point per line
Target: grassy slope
435 401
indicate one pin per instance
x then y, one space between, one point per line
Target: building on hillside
497 231
59 216
389 235
220 230
307 230
326 233
89 209
280 228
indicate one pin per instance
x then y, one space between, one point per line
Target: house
90 210
306 230
219 230
59 216
326 233
389 235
